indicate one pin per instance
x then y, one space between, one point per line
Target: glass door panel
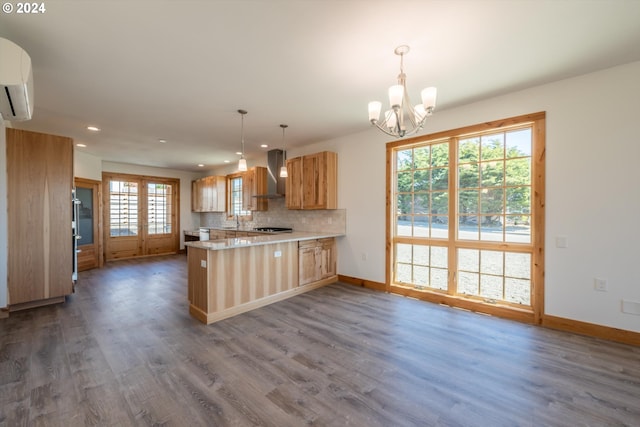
85 214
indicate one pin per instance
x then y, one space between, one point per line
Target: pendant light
283 169
242 163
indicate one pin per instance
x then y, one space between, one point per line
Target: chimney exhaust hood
275 184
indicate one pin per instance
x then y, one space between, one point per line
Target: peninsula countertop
239 242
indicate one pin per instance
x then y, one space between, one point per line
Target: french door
141 215
466 217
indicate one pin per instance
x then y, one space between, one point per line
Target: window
123 208
159 199
462 220
236 197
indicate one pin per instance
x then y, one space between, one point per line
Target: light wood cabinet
316 260
39 185
313 181
208 194
223 283
293 183
254 183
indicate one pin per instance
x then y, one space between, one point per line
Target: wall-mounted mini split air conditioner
16 82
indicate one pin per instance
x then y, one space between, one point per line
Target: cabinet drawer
308 243
315 242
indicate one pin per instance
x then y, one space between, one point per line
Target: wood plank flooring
123 351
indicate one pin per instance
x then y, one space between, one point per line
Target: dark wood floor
123 351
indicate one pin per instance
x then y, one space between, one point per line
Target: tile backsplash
329 220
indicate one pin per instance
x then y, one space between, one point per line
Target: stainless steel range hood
275 184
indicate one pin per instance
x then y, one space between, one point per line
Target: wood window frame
538 126
246 215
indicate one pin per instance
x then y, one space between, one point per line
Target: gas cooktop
273 229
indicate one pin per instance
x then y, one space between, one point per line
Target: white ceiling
180 70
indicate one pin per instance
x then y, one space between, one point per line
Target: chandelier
403 119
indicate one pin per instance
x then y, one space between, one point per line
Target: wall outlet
562 242
631 307
600 284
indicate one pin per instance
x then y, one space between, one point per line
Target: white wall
592 194
86 166
188 219
4 238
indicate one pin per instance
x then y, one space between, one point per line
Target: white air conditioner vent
16 82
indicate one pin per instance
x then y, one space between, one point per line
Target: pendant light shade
283 168
242 163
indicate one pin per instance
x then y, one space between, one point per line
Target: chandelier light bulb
396 93
374 110
429 98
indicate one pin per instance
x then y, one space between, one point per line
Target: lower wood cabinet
316 260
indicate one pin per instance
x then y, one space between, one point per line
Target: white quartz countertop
240 242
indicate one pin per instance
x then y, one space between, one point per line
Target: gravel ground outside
494 275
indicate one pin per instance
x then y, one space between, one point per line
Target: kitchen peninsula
232 276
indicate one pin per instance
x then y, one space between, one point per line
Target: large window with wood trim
466 220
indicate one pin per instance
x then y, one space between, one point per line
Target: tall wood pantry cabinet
39 185
312 181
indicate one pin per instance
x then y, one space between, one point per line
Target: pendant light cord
284 152
242 113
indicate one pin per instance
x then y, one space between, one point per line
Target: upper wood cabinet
254 183
313 181
39 185
293 183
208 194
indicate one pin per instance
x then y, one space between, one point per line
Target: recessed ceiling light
239 153
162 141
81 145
227 161
93 128
263 145
200 165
